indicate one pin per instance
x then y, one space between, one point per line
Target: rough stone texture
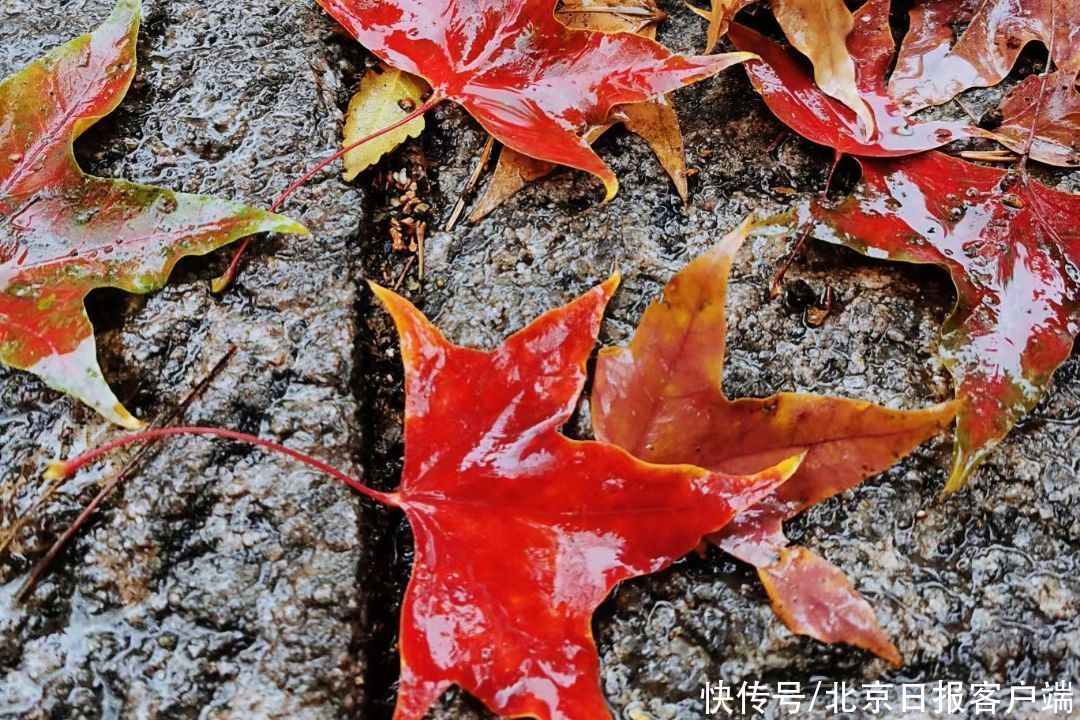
225 584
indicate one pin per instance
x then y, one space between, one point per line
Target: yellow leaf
385 96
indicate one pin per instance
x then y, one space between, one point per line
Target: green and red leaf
64 233
1012 247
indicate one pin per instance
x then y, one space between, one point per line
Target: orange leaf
813 597
719 15
661 398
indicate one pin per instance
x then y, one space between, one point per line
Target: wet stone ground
222 583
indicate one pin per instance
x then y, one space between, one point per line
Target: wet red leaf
521 532
655 121
935 65
1012 247
64 233
533 83
786 83
661 398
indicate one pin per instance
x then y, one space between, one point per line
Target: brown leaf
660 398
819 30
719 16
1041 117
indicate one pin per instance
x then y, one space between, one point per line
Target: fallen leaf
1012 247
661 398
612 16
655 121
65 233
1041 116
512 173
792 95
533 83
520 532
934 65
386 95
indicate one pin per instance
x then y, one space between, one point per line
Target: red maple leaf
534 84
661 398
521 532
787 86
64 233
1012 247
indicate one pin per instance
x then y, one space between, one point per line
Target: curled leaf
790 92
819 30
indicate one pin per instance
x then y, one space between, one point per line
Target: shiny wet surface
224 579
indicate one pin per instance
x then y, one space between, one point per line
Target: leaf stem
124 474
222 282
777 284
1030 142
70 467
658 15
481 164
